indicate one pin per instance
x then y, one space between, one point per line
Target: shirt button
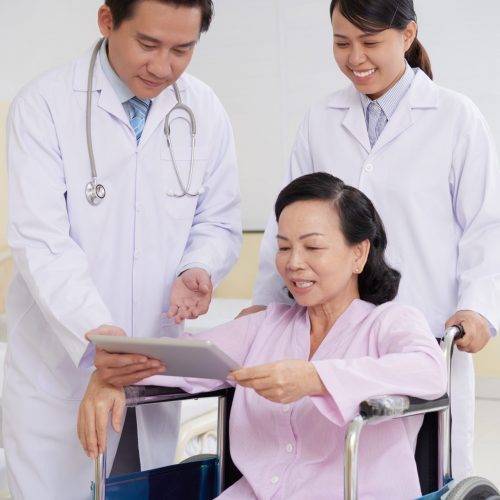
368 167
285 408
137 254
138 207
275 479
289 448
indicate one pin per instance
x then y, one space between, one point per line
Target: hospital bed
214 473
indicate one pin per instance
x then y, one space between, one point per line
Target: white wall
267 60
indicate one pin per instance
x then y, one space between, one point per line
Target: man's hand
122 369
125 369
191 295
282 381
477 331
93 417
250 310
106 330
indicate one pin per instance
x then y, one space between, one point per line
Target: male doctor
140 261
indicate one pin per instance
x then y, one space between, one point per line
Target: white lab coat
78 266
434 178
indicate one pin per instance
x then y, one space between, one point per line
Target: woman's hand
282 381
99 400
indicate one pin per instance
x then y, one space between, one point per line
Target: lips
363 74
153 84
303 284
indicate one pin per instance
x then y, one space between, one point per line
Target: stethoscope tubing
95 192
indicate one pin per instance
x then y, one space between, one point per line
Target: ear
361 251
105 20
409 34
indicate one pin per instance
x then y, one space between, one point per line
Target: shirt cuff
191 265
87 360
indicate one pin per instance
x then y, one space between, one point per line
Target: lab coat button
289 448
368 167
275 479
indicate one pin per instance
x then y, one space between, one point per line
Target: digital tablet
182 357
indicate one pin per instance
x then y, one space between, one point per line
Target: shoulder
48 88
330 107
339 99
393 316
449 101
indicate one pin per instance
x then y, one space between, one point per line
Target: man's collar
121 90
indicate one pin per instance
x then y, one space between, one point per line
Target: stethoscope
96 192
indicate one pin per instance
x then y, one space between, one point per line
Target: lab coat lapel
107 99
421 95
161 105
354 120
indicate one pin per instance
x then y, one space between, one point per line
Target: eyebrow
364 35
303 237
147 38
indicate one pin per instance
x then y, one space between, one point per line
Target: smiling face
374 62
316 263
152 49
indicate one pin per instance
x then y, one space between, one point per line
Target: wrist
316 386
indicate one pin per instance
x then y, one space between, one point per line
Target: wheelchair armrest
399 406
147 394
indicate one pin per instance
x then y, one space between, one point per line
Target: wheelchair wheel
474 488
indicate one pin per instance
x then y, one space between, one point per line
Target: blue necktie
138 110
376 121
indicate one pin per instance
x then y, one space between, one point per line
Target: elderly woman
307 366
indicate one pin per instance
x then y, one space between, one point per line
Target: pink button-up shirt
296 451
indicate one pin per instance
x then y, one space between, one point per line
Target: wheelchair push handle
458 330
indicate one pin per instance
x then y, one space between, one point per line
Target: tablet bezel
198 358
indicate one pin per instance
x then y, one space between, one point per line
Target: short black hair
121 10
359 221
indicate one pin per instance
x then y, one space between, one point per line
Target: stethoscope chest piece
94 192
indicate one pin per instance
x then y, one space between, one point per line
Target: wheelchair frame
384 408
371 411
140 395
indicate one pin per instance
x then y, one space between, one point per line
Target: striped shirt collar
390 100
121 90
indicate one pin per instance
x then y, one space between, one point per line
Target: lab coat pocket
183 181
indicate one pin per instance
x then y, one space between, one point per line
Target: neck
322 318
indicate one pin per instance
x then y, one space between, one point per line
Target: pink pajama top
296 451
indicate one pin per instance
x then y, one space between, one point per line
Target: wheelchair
206 476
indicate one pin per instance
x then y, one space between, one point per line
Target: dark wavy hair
122 10
373 16
377 283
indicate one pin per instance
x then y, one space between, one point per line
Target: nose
160 65
295 260
356 55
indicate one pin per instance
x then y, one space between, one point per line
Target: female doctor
425 157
